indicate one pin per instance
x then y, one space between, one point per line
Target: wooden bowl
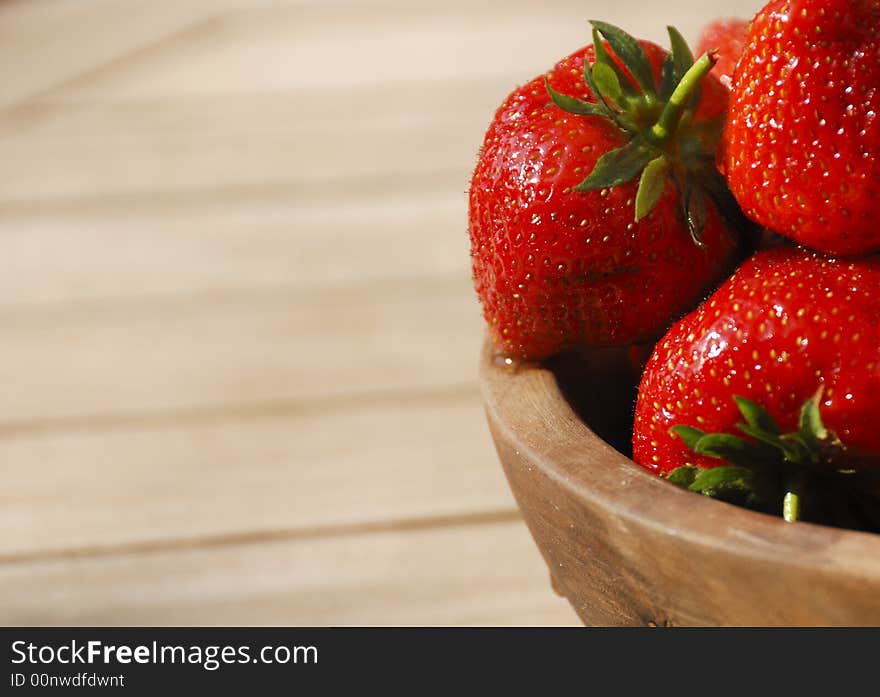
627 548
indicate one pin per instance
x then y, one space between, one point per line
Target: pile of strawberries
726 212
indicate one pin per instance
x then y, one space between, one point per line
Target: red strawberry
802 143
790 328
562 259
727 37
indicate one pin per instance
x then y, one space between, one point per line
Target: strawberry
589 193
801 149
744 377
727 38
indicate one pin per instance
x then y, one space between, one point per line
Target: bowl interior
601 387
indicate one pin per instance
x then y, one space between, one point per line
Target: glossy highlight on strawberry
801 150
788 325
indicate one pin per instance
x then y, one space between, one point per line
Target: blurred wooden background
238 340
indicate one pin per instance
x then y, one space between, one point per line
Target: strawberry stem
795 491
662 131
791 506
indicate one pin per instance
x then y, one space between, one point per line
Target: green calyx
663 142
769 466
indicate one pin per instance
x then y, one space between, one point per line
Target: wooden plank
44 44
288 468
281 47
104 48
99 151
82 253
482 574
236 350
389 104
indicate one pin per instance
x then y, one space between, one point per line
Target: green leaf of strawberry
740 485
756 416
617 167
682 58
724 446
574 105
651 185
608 83
630 53
628 90
733 484
683 476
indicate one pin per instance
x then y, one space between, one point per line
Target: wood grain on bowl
627 548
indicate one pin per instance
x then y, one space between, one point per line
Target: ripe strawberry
727 37
562 259
791 330
801 149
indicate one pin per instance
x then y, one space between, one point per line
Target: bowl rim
526 407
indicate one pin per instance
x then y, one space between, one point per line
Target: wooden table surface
238 340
